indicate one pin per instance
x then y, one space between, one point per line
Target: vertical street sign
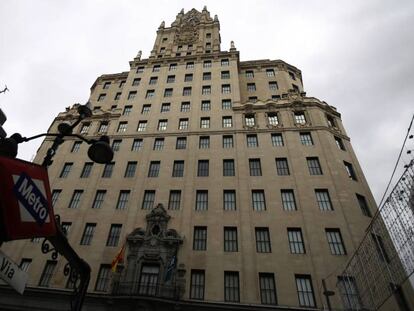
12 274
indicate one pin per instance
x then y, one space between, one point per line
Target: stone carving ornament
187 32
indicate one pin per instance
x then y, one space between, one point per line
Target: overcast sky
355 55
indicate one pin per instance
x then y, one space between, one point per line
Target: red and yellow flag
119 258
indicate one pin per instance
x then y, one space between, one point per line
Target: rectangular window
206 76
86 171
226 104
149 198
379 245
116 145
273 86
183 124
140 69
178 169
282 167
201 200
270 72
272 119
55 196
258 200
255 167
207 64
171 79
106 85
197 284
249 74
188 77
47 273
231 286
204 142
185 107
165 107
76 146
174 200
205 105
252 141
85 128
314 166
130 169
117 96
75 200
158 144
251 87
25 264
288 200
181 143
363 205
205 123
168 92
200 239
66 227
306 139
225 74
300 117
153 80
252 99
156 68
295 238
123 199
150 94
88 234
162 125
113 235
154 169
225 89
225 62
142 126
187 91
99 198
267 288
349 292
137 144
203 168
228 167
262 240
230 239
339 143
229 200
122 127
173 67
66 170
132 95
189 65
103 278
101 97
277 140
145 109
227 122
228 141
323 199
249 120
331 121
350 170
136 81
336 244
292 75
305 291
107 171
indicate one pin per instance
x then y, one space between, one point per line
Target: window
162 125
75 200
258 200
154 169
230 239
107 171
113 107
205 123
174 200
339 143
114 234
203 168
249 74
292 75
267 288
149 198
228 167
153 80
137 144
187 91
156 68
197 284
185 107
288 200
183 124
206 76
178 169
249 120
277 140
231 286
130 169
168 92
229 200
262 240
132 95
251 87
150 94
225 62
227 141
85 128
335 242
204 142
181 143
127 110
270 72
86 171
282 167
206 90
225 89
306 139
136 81
200 239
225 74
55 196
140 69
201 200
205 105
379 245
122 127
331 121
116 144
208 35
142 126
305 291
188 77
66 227
208 45
25 264
66 170
88 234
106 85
295 238
101 97
207 64
145 109
255 167
349 292
252 141
227 121
171 79
300 117
314 166
350 170
226 104
103 278
323 199
123 199
158 144
273 86
47 273
99 198
189 65
252 99
363 205
117 96
76 146
272 119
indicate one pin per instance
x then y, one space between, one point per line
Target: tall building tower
230 188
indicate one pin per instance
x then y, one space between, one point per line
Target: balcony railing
145 289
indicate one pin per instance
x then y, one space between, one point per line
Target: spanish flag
119 258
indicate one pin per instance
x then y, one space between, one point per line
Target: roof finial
139 55
182 11
216 18
162 24
232 47
205 8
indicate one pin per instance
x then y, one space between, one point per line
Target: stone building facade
230 187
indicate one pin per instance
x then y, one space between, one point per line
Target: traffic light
3 119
